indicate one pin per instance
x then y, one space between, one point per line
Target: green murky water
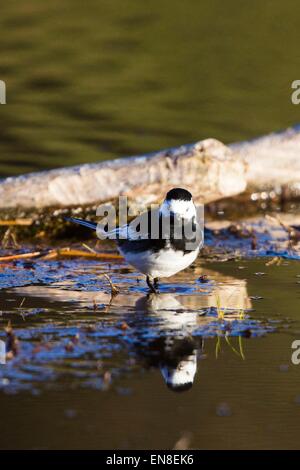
93 80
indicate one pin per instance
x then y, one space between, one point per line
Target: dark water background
93 80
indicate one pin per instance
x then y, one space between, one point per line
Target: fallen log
272 161
211 170
207 168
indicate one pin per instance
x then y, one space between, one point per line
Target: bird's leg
150 285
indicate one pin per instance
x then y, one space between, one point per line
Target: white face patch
183 374
184 209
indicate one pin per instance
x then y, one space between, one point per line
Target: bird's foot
152 286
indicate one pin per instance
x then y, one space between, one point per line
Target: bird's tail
85 223
112 234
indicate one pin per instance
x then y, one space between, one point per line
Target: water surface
96 80
95 373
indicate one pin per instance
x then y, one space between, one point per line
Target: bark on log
273 161
207 168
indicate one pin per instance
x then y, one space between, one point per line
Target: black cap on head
179 194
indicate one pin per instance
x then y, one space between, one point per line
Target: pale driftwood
207 168
273 161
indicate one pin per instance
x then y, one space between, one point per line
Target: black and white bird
171 248
174 351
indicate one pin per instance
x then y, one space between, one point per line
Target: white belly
165 263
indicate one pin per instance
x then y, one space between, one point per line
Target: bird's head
178 202
181 377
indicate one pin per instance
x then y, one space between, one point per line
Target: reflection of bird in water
174 351
180 364
162 327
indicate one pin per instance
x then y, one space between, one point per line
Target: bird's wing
138 229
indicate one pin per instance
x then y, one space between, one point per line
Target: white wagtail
175 350
168 241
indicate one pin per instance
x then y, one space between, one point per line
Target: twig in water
89 248
52 254
24 222
293 232
20 256
9 236
114 289
63 252
276 260
73 253
20 307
